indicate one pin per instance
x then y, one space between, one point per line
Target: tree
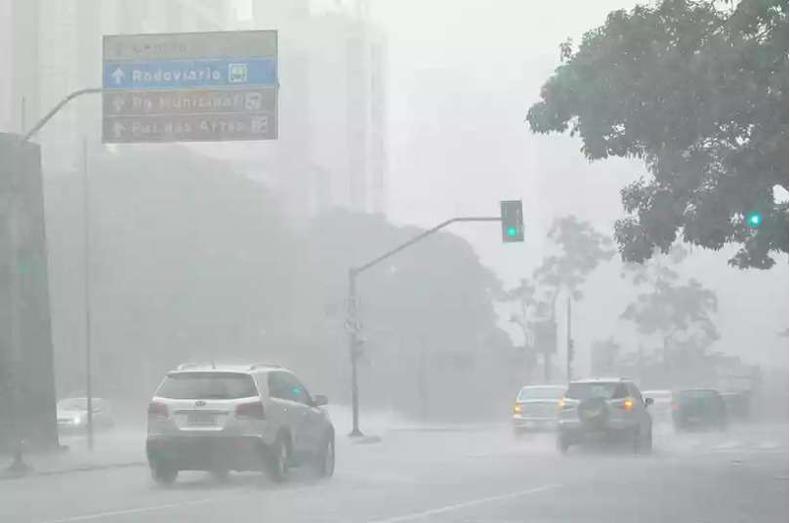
581 247
427 316
524 296
189 261
679 313
700 94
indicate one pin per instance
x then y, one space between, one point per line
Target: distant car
607 410
223 418
661 410
698 409
72 414
536 407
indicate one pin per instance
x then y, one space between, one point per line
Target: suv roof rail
195 365
262 365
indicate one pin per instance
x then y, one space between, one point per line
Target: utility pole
87 288
569 341
352 325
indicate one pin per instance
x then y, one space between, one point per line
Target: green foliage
700 94
679 312
582 248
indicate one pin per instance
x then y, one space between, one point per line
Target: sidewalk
111 449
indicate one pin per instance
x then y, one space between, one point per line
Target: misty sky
462 74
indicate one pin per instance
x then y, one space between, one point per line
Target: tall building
332 105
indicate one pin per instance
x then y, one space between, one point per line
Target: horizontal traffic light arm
361 268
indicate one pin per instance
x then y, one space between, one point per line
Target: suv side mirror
648 402
320 400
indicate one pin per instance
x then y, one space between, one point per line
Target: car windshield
207 385
587 390
540 393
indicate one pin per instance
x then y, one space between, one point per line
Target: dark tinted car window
605 390
207 385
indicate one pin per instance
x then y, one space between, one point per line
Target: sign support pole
352 319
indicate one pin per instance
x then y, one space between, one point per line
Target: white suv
223 418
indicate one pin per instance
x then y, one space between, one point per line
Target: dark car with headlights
604 410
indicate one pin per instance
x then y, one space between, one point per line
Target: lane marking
466 504
125 512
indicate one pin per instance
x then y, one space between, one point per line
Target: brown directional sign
211 127
218 86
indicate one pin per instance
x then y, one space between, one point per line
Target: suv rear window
604 390
207 385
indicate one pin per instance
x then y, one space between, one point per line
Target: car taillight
157 410
628 404
250 410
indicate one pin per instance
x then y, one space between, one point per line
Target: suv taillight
157 410
626 404
250 410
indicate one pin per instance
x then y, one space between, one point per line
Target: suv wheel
325 459
278 460
163 475
563 444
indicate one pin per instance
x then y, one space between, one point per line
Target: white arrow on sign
118 75
118 129
118 102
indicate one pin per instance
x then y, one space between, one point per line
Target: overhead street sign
217 86
180 74
138 103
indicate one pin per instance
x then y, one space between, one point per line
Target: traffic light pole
569 346
352 322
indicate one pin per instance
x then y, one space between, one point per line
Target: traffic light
754 219
512 221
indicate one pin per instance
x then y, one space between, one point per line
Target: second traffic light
512 221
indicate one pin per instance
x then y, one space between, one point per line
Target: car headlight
76 420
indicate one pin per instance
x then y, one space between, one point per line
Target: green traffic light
754 219
512 232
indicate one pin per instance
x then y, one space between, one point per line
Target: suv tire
278 459
163 474
325 458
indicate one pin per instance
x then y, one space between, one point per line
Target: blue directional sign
183 87
181 74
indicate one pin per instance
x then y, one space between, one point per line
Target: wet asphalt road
475 475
